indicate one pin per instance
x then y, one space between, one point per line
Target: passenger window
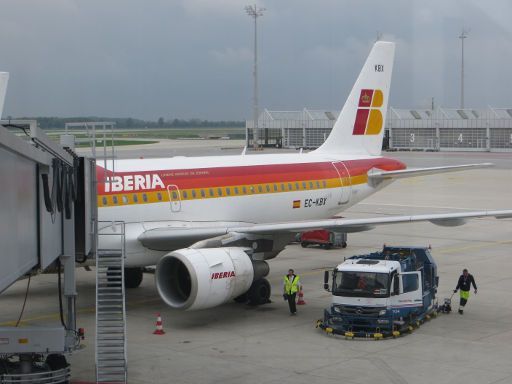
251 188
203 194
282 187
324 183
145 197
125 200
104 200
275 187
228 191
244 190
303 185
290 188
297 186
114 199
267 187
236 190
212 193
159 196
135 198
193 193
185 194
174 195
318 184
260 189
219 191
311 185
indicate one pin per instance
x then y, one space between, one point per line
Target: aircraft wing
376 176
168 238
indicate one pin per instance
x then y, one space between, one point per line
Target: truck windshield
360 284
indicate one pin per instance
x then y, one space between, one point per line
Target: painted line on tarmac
474 246
56 316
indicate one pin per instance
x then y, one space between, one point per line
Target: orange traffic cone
159 329
301 301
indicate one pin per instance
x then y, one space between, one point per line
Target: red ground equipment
326 239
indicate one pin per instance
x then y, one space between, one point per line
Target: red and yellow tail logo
369 118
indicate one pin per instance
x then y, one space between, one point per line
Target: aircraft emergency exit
210 224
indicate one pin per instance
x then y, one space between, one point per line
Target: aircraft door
345 191
174 197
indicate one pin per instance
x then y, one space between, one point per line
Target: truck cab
381 292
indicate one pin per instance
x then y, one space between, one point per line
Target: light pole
255 12
462 36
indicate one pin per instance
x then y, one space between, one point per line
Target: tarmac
237 343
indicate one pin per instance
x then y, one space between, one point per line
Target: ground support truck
381 294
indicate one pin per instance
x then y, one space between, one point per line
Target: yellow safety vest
291 286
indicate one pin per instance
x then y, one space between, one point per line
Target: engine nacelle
206 277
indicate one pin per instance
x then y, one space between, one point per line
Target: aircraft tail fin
359 128
4 77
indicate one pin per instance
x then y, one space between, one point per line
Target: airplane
210 224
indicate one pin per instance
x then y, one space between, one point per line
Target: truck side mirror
326 280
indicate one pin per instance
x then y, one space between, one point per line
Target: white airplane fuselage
186 192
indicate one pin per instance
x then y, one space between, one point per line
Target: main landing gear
258 293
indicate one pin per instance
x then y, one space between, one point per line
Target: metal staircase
111 359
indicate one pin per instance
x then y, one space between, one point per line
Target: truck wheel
304 244
259 293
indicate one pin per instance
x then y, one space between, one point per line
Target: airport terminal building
441 129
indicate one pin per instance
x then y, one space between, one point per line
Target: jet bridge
48 221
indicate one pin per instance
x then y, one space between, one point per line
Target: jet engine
201 278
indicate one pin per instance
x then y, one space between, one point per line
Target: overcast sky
193 58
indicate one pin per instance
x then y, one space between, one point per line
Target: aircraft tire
259 293
132 277
243 298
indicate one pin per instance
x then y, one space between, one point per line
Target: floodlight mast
255 12
462 36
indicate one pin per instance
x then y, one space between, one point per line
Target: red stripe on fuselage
252 174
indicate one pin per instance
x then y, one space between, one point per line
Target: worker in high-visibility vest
291 285
464 283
